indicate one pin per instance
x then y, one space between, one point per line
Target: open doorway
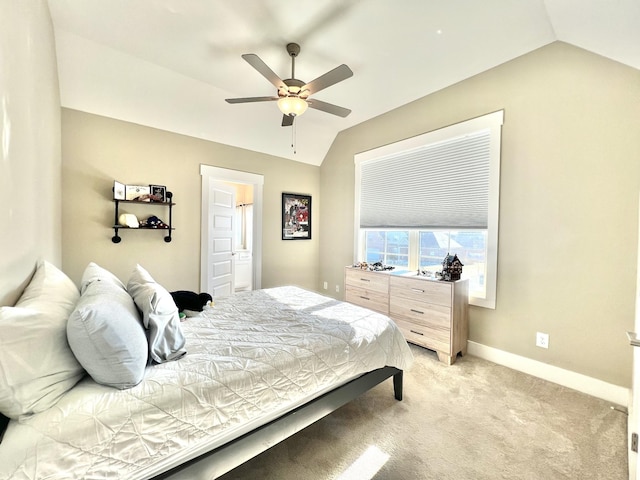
243 236
231 231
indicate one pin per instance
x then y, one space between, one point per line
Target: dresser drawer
428 291
428 315
371 281
367 298
432 338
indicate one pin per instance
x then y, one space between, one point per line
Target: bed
259 366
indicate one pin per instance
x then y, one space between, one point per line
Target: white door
220 225
217 175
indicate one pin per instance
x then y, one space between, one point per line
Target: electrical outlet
325 285
337 288
542 340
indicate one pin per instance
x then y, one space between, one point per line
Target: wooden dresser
430 313
367 289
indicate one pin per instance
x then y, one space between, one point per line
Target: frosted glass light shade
292 105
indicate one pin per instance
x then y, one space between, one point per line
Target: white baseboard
576 381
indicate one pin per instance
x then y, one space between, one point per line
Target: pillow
49 290
95 272
105 332
160 316
36 364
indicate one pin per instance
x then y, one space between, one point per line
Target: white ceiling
170 64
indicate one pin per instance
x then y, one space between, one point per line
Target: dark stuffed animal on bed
188 302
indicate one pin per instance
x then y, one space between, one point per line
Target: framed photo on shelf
158 193
139 193
119 190
296 216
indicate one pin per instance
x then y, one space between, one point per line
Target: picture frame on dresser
296 216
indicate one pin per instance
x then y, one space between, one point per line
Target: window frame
493 122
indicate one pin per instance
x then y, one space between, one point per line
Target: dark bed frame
225 458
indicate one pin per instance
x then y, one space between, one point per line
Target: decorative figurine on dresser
451 268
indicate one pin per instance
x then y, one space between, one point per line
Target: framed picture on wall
296 216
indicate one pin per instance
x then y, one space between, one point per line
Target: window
469 245
390 248
437 193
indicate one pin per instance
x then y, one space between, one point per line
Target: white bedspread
251 357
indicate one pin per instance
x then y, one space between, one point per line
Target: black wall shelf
116 227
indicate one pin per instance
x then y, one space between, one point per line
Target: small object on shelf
153 222
158 193
119 190
130 221
451 268
138 193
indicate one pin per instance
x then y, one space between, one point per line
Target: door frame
218 174
633 421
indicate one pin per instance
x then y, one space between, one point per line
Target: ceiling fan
293 94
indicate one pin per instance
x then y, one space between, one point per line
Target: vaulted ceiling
170 64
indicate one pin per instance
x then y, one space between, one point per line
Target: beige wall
570 177
569 192
98 150
29 145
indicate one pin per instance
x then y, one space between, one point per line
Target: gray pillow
106 335
160 316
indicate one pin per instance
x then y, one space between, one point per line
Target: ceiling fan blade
287 120
256 62
328 107
330 78
251 99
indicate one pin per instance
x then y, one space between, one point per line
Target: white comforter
251 357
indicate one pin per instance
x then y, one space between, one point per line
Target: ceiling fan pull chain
293 138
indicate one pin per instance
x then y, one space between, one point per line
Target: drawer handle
365 279
417 290
365 298
417 311
417 333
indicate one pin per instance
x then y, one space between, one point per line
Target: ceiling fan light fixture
292 105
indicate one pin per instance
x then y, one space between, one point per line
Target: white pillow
48 289
106 334
36 364
95 272
159 315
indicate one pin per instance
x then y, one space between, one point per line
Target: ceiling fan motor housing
293 88
293 49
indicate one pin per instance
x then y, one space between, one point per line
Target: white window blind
441 185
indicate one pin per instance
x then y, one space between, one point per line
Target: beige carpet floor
472 420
